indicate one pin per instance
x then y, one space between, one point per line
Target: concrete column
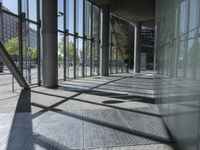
137 47
105 32
49 43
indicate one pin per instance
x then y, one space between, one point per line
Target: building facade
10 28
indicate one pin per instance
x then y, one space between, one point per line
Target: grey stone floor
116 112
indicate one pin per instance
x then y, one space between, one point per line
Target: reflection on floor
116 112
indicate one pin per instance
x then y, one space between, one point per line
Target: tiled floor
116 112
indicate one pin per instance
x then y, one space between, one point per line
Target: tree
12 47
33 53
69 48
124 35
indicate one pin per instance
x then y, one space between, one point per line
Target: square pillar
105 33
137 47
49 43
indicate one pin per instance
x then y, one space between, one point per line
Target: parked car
1 66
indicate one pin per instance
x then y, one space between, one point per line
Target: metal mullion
74 61
111 45
61 31
10 13
99 24
38 42
91 44
20 36
83 63
64 42
71 34
81 37
31 21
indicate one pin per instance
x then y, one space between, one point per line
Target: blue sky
12 5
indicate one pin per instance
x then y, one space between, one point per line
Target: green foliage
33 53
123 35
70 51
12 47
60 58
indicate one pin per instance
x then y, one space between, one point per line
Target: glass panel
30 8
198 58
79 57
60 14
112 60
10 6
88 19
9 27
183 17
87 57
120 62
95 57
33 10
10 39
79 17
70 15
60 55
194 14
30 52
180 56
70 56
192 55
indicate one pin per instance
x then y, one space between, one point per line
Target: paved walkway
116 112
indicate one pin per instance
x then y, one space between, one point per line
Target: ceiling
132 10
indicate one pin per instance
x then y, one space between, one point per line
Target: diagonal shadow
21 131
85 101
45 143
73 96
108 125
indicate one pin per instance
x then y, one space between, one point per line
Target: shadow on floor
20 136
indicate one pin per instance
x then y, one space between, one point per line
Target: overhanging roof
132 10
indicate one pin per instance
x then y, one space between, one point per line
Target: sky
12 5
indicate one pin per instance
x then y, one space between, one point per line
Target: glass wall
30 31
19 22
178 58
95 40
79 22
116 60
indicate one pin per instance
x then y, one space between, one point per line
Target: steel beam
12 67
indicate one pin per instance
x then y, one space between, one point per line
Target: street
6 78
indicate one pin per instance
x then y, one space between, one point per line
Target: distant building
147 37
9 29
33 38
